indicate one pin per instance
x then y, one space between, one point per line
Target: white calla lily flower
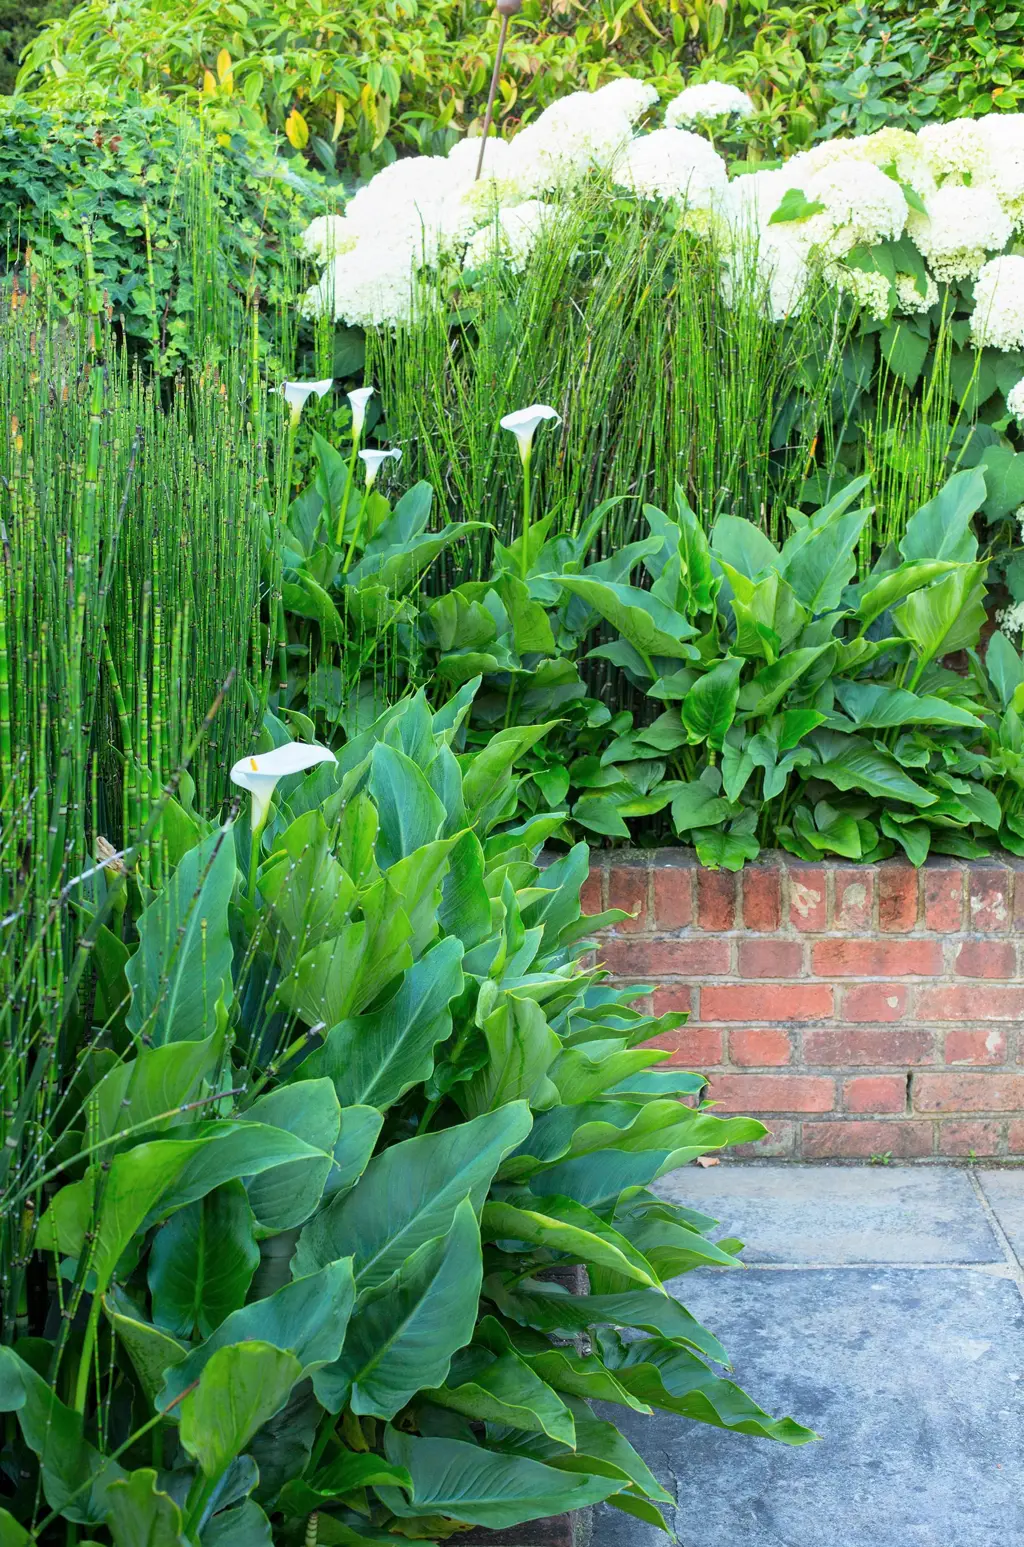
523 424
295 394
374 460
260 774
357 402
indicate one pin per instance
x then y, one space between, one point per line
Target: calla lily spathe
260 773
295 394
523 424
374 461
357 402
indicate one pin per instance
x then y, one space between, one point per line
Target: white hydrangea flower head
572 138
956 152
752 198
961 226
327 236
1011 619
626 95
1015 406
512 235
998 316
870 290
863 206
402 203
910 298
706 102
895 148
1003 134
673 164
373 286
771 268
464 156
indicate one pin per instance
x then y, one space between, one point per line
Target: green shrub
344 1114
20 22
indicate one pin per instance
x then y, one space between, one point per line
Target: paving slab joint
1013 1262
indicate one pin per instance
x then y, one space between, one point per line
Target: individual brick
970 1002
874 1002
856 1139
773 1092
766 1002
762 897
980 1092
760 1048
675 1000
592 891
808 897
779 1143
770 958
978 1136
942 886
628 888
691 1046
869 1047
854 896
690 956
867 958
969 1045
673 896
897 896
1015 1137
875 1093
988 899
985 959
716 899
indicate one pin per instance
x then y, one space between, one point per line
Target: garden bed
859 1011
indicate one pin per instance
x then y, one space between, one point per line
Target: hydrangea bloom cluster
953 191
1015 405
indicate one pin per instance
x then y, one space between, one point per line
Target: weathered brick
988 900
985 959
658 959
762 897
716 899
766 1002
897 896
981 1092
970 1002
856 1139
693 1047
770 958
875 1093
969 1045
773 1092
1015 1137
673 1000
874 1002
943 889
591 894
628 887
854 891
866 958
779 1143
867 1046
761 1048
808 898
978 1136
673 896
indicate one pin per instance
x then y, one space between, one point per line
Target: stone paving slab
1004 1191
843 1214
912 1372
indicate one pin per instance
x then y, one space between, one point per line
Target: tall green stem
524 556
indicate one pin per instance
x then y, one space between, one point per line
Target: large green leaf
641 619
308 1317
308 891
343 974
947 616
404 1331
882 591
570 1229
410 813
243 1526
876 705
488 777
183 964
856 765
156 1083
743 546
285 1196
549 1308
521 1048
771 685
409 1194
1004 667
710 706
374 1059
141 1515
202 1261
360 1127
504 1390
75 1475
942 528
240 1387
820 568
468 1483
574 1374
151 1351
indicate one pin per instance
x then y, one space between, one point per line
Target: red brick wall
857 1009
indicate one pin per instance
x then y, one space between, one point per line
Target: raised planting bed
859 1010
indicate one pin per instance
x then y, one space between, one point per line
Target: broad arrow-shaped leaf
240 1388
202 1261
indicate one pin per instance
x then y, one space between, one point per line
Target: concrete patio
884 1307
